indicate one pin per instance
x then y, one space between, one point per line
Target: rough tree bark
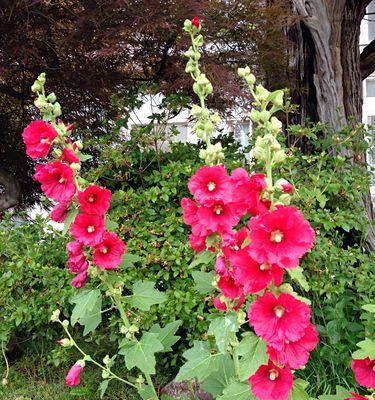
10 193
330 67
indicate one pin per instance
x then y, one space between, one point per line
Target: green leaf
297 275
203 281
87 309
110 225
223 329
141 354
68 220
103 388
204 257
253 353
144 295
219 379
128 260
200 363
166 335
366 349
237 391
84 157
369 307
298 390
146 392
341 393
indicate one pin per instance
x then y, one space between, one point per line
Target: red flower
246 192
253 276
197 243
271 382
108 253
296 354
94 200
69 156
79 281
276 319
189 210
73 377
280 237
356 397
218 217
59 212
196 22
77 261
229 288
364 372
219 305
210 184
38 137
57 181
88 229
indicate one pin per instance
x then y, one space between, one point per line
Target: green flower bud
286 288
187 24
79 144
276 125
285 199
55 316
262 93
196 110
65 343
264 115
82 362
276 146
134 328
105 374
42 78
36 87
241 72
75 166
196 88
189 53
255 115
277 98
279 156
250 79
209 88
202 80
215 118
198 41
259 153
106 360
4 382
65 323
56 109
51 97
40 102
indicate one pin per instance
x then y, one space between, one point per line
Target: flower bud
250 79
187 24
56 109
65 342
195 110
42 78
40 102
264 115
105 374
65 323
255 115
241 72
106 360
276 125
215 118
4 382
262 93
140 379
51 97
198 41
75 166
36 87
134 328
55 316
276 146
79 144
279 156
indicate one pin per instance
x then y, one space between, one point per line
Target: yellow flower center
90 229
91 198
211 186
279 311
104 250
265 267
218 209
273 374
45 141
62 180
277 236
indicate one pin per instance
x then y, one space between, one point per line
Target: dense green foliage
148 186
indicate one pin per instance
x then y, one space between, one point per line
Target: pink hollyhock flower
229 288
77 261
38 137
276 319
57 181
69 156
296 354
189 210
210 184
219 305
235 243
246 192
197 243
221 266
73 377
364 372
280 237
271 382
356 397
108 253
94 200
253 276
218 217
59 212
79 281
196 22
88 229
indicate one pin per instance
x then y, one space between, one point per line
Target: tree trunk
10 193
328 64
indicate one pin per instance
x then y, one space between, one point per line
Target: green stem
90 359
6 360
151 384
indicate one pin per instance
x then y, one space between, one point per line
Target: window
371 21
370 87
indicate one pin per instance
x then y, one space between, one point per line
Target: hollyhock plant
253 276
88 229
94 200
271 382
69 156
108 253
218 217
74 374
79 281
77 261
59 212
364 372
280 237
276 319
57 181
38 137
296 354
210 183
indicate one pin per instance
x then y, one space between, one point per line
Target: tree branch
8 90
368 60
